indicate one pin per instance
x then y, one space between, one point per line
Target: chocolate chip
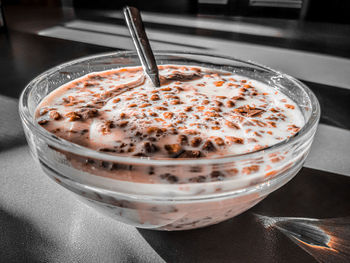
172 179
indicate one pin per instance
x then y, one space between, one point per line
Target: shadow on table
20 241
11 131
241 239
312 193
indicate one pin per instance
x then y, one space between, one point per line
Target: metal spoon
137 31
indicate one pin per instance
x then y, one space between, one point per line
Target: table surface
42 222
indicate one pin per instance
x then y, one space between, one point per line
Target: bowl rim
28 119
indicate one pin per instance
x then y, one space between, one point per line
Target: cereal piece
238 98
43 122
219 83
73 116
250 169
87 113
218 103
212 114
161 108
230 104
217 176
173 148
55 115
191 132
293 128
153 114
175 102
255 112
183 139
198 179
107 126
234 139
232 125
190 154
168 115
289 106
219 141
144 105
188 108
196 141
208 146
150 147
272 124
165 89
215 109
122 124
154 97
172 179
43 111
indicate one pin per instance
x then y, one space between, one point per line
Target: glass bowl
216 188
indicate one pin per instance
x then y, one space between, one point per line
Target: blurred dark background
334 11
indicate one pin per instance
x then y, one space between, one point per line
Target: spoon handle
143 48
